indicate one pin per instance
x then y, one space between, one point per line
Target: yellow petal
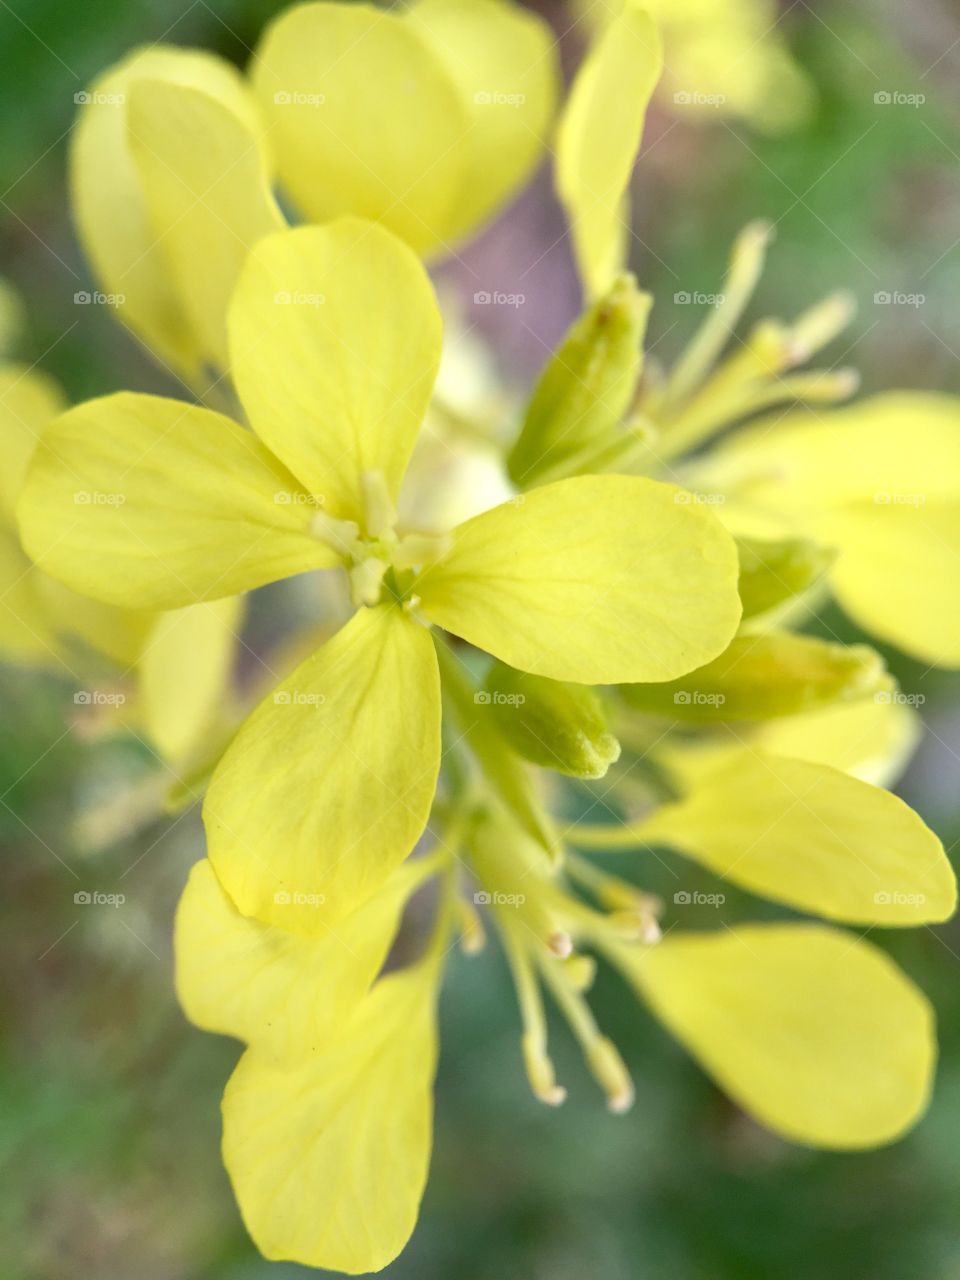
873 739
29 400
598 580
285 994
815 1033
109 208
154 503
599 135
335 339
897 573
503 58
204 180
328 1159
905 444
814 838
328 785
185 674
397 152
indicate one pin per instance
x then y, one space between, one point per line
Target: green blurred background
109 1123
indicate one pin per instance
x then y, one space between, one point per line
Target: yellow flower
174 156
335 339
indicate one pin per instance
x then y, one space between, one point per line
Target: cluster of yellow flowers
631 610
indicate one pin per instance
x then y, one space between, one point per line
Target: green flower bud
584 391
759 677
559 726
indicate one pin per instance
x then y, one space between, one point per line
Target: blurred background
109 1124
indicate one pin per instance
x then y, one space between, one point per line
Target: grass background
108 1101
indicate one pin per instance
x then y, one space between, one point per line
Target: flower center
376 557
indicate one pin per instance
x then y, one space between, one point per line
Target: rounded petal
328 785
205 183
503 58
597 580
815 1033
897 573
397 152
814 838
185 674
335 339
287 995
109 208
154 503
599 135
329 1158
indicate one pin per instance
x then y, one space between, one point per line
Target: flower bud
585 389
556 725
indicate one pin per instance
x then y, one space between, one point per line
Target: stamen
580 971
421 549
540 1071
473 936
601 1054
366 581
343 536
539 1067
560 944
815 328
379 512
746 265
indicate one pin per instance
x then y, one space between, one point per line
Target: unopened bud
585 389
556 725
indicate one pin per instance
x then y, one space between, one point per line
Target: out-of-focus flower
721 58
427 121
